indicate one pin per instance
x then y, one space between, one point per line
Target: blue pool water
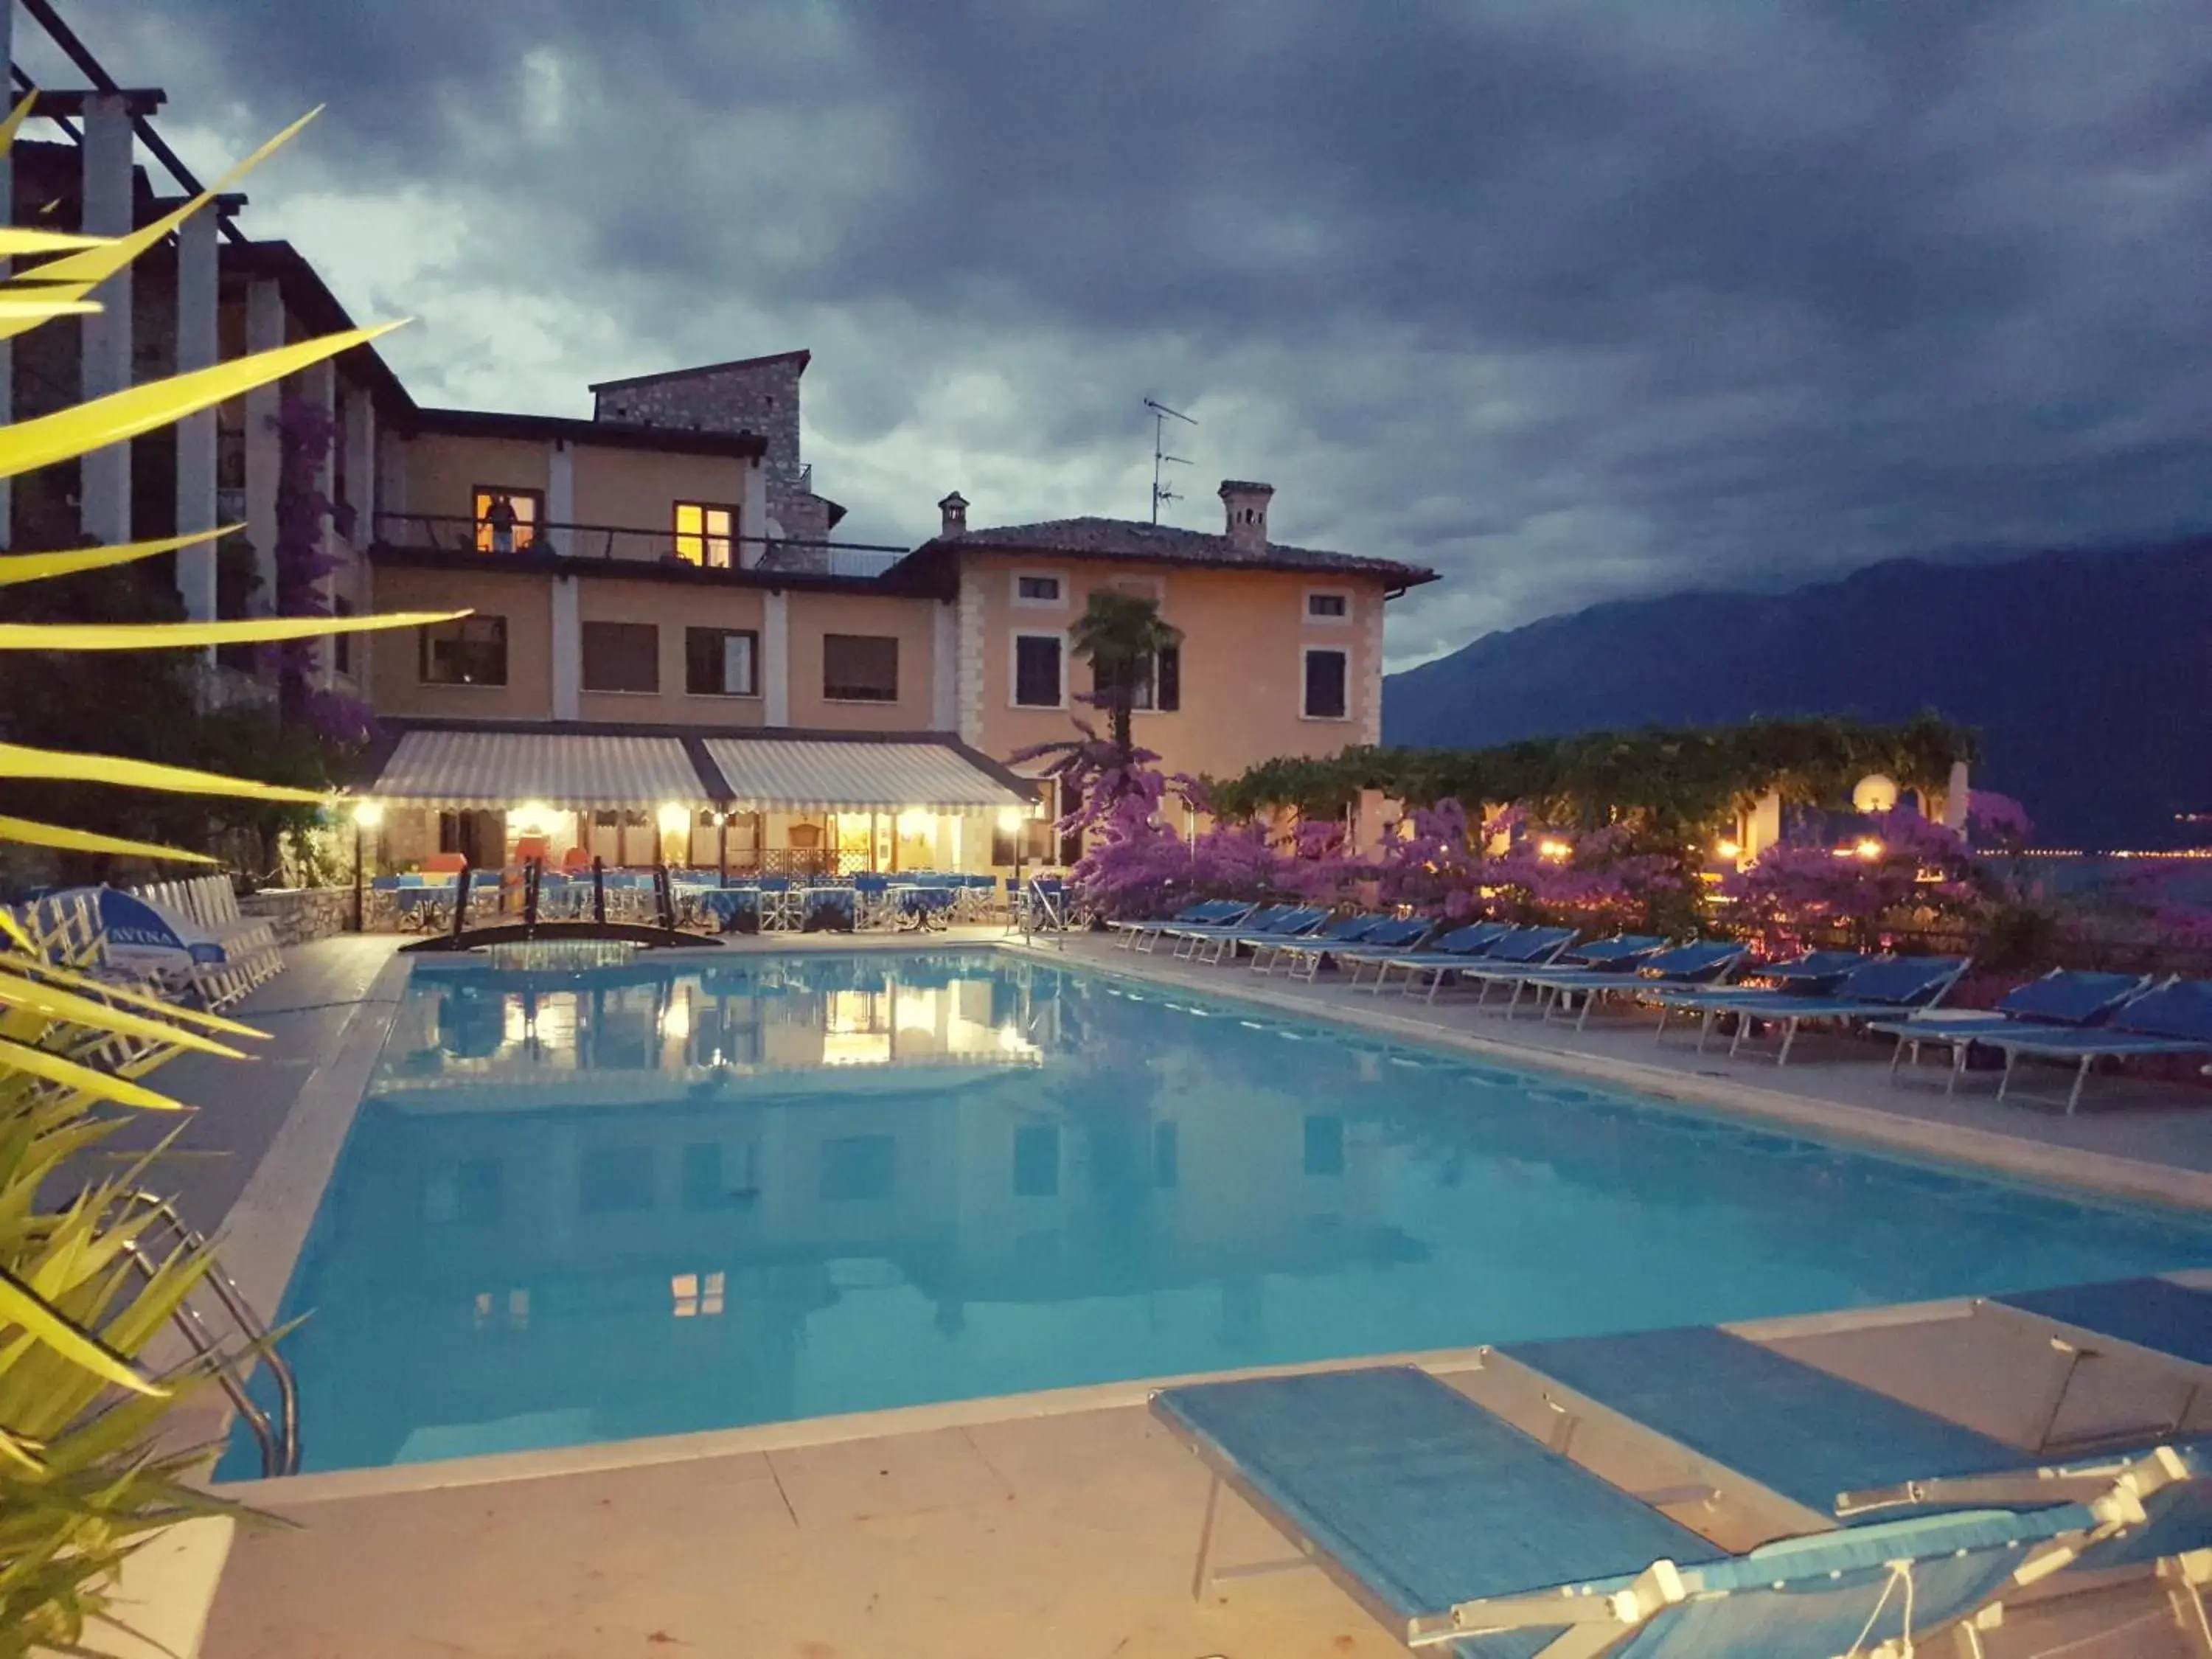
591 1205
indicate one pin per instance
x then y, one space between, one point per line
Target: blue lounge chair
1809 973
1221 944
1807 1450
1208 912
2062 998
1884 988
1344 930
1522 949
2176 1018
1307 957
1701 962
1464 942
1617 954
1457 1531
1260 919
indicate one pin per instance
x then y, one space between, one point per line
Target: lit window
506 519
706 535
1327 682
695 1295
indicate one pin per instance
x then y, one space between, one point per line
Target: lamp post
367 815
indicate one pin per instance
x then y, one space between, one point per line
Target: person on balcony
500 516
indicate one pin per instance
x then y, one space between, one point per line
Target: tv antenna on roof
1160 414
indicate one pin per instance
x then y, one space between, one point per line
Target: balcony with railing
459 534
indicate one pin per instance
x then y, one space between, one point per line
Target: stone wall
301 915
760 396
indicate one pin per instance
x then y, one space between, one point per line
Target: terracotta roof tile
1125 539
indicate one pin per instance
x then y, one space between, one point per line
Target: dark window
616 1178
1037 587
1037 671
859 668
1159 682
1036 1161
472 651
622 657
1324 1146
507 520
720 662
1071 845
342 644
858 1167
481 1190
1325 685
1327 604
1003 843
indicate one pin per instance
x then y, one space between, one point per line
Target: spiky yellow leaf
169 636
22 1305
69 433
57 1069
78 274
17 934
18 239
17 567
54 765
14 310
52 1002
28 833
22 1450
53 975
9 127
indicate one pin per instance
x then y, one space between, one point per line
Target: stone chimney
1247 504
954 509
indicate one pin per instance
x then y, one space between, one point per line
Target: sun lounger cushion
2151 1313
2068 999
1795 1430
1426 1497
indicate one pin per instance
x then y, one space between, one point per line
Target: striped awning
802 775
561 769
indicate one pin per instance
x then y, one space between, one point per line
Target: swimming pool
591 1205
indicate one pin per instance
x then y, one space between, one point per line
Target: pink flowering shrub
1916 872
1999 820
1597 879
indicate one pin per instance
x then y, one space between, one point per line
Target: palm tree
1122 637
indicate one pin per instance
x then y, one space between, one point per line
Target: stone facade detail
300 915
1370 680
759 395
971 660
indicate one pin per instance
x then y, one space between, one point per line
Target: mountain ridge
2088 671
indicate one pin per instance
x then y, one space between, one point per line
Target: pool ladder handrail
279 1440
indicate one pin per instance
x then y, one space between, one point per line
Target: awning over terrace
829 774
561 769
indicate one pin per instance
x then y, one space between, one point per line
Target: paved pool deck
1060 1524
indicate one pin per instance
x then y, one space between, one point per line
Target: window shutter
1167 675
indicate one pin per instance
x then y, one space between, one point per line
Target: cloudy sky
1570 300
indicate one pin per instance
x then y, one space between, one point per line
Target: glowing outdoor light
1556 851
1874 793
914 820
533 818
368 814
674 817
1728 849
1009 818
1869 849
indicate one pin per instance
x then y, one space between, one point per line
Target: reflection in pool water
641 1200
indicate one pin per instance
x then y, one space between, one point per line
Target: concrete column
753 515
775 658
264 331
196 433
567 650
945 668
319 387
561 494
1957 796
1369 711
1764 828
361 465
104 490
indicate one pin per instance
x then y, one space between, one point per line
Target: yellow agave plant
83 1475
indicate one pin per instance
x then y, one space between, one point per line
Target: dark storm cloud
1573 301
